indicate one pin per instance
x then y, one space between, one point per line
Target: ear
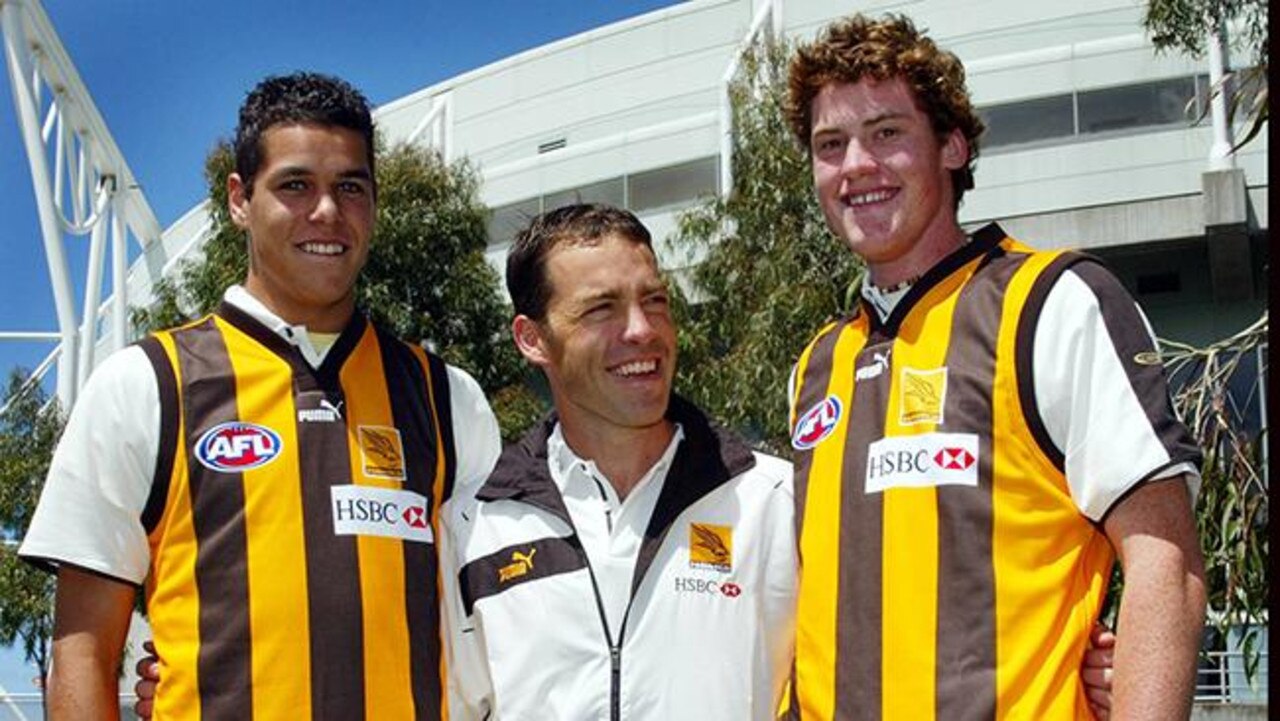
238 201
529 341
955 150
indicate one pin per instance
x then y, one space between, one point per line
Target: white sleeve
468 686
476 438
90 511
1109 416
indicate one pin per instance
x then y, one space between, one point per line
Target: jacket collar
707 458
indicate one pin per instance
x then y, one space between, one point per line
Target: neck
937 242
623 455
330 318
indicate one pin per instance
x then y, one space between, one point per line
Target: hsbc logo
816 424
372 511
705 587
928 460
954 459
236 446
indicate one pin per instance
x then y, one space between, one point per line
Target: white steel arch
83 187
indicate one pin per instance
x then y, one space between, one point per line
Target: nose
325 209
858 160
639 328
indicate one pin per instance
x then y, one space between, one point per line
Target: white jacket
707 634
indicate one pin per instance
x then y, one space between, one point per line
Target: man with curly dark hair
272 472
980 440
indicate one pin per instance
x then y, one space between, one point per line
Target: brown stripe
167 385
859 624
966 646
224 667
1028 319
334 605
407 390
442 397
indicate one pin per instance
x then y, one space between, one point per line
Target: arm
468 686
1162 609
91 618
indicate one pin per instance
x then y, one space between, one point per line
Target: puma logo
521 563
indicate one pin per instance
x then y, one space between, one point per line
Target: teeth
874 196
636 368
323 248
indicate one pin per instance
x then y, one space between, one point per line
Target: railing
27 707
1221 678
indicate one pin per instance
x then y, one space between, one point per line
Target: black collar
707 458
986 242
326 375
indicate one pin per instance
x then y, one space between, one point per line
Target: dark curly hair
583 223
889 47
301 97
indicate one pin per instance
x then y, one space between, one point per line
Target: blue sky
168 77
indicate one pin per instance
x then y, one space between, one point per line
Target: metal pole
1220 155
49 225
119 279
92 299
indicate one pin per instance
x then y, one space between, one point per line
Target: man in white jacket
627 559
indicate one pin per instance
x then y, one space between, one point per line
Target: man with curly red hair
980 440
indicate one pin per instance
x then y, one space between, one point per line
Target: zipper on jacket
615 683
604 498
615 650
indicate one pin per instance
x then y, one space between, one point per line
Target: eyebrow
819 130
293 171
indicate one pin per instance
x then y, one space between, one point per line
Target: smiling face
309 216
882 175
607 343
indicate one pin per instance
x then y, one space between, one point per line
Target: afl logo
236 446
816 424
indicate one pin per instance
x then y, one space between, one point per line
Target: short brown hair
889 47
584 224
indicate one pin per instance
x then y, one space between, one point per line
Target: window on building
610 192
1027 121
1163 102
673 185
508 220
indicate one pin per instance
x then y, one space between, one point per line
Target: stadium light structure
83 187
765 24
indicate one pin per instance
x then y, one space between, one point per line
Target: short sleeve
90 511
1101 391
477 440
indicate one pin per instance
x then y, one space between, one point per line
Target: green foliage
1182 25
29 430
771 273
426 278
1233 507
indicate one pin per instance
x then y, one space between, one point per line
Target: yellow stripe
276 555
388 686
172 609
1038 573
909 571
816 651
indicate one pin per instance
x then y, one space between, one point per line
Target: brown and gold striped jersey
947 571
292 522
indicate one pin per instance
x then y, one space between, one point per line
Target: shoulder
125 377
770 473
